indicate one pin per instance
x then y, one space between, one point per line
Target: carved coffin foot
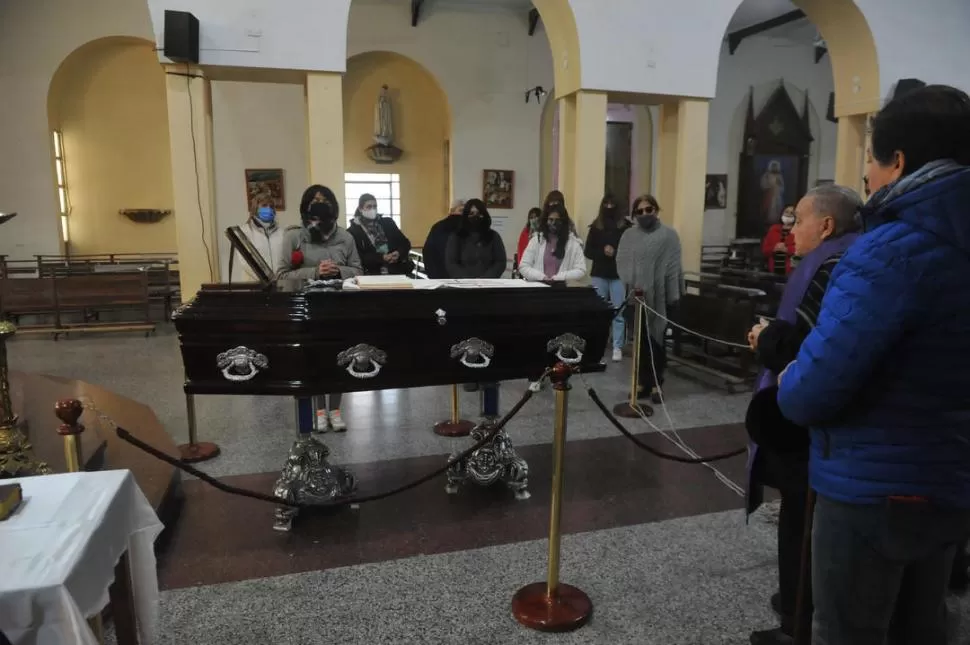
308 478
496 461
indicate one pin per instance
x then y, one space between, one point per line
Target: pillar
681 171
850 151
190 140
582 154
325 132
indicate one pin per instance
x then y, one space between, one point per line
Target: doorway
619 161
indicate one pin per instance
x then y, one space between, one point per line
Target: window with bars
385 187
62 197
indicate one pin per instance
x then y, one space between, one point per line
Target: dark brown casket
293 341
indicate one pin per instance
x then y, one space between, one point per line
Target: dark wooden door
619 161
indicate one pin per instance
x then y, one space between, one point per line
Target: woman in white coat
554 253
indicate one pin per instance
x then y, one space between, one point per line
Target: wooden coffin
296 342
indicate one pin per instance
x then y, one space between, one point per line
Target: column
582 154
681 173
850 151
325 132
190 140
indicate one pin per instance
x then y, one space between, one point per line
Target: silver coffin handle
568 348
362 361
241 363
474 353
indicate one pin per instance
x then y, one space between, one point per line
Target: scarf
797 286
374 231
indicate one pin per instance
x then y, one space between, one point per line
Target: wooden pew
29 297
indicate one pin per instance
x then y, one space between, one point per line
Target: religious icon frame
494 194
260 181
715 199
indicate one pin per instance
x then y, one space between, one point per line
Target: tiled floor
661 548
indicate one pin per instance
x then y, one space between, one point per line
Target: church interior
136 132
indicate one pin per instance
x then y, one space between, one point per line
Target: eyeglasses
646 210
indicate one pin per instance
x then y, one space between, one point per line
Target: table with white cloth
77 539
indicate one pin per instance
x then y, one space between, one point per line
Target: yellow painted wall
108 98
422 125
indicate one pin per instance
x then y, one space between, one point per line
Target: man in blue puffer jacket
883 381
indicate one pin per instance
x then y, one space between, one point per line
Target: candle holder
16 458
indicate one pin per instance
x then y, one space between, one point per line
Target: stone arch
560 24
108 99
422 126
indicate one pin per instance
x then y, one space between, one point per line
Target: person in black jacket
601 244
382 247
434 247
475 250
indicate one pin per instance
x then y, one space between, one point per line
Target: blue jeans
881 570
613 292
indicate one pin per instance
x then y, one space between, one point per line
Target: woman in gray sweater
475 250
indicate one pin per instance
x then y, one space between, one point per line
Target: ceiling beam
533 20
820 51
735 37
415 11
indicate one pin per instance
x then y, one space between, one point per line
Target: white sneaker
323 422
337 421
617 354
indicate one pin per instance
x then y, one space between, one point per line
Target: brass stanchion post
551 606
195 451
69 411
454 426
633 409
15 457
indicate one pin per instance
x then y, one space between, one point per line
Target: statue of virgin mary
383 119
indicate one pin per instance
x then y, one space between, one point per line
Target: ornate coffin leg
495 461
307 477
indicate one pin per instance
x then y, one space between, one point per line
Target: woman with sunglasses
649 258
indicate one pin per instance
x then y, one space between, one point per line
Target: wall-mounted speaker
181 38
905 86
830 110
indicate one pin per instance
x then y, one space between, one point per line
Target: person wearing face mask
649 258
433 251
320 250
556 198
266 235
601 243
475 250
382 247
530 229
779 244
555 254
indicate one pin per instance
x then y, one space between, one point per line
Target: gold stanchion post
634 409
69 411
551 606
15 450
454 426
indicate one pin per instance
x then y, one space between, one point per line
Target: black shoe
656 396
771 637
776 602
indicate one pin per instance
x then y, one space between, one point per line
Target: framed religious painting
498 188
715 192
265 186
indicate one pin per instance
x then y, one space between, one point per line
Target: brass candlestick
15 450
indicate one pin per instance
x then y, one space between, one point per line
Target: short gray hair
838 202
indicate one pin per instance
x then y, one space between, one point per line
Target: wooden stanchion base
566 610
449 428
192 453
626 411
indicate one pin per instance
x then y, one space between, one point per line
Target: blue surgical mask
266 214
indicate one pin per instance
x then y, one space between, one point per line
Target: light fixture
538 91
6 217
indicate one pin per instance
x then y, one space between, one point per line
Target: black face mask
554 227
647 222
476 223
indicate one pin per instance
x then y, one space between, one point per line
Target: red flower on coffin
296 259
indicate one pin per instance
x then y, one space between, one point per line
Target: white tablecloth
58 554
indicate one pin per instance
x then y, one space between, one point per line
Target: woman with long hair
601 244
382 247
475 250
555 254
531 228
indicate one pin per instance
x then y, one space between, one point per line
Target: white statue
383 121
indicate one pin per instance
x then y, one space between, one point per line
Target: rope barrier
670 322
349 501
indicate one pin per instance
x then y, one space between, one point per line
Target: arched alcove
422 129
108 100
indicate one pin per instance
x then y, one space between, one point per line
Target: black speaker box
907 85
181 40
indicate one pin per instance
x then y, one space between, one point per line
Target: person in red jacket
779 244
531 228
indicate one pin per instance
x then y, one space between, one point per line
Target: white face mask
787 219
369 213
